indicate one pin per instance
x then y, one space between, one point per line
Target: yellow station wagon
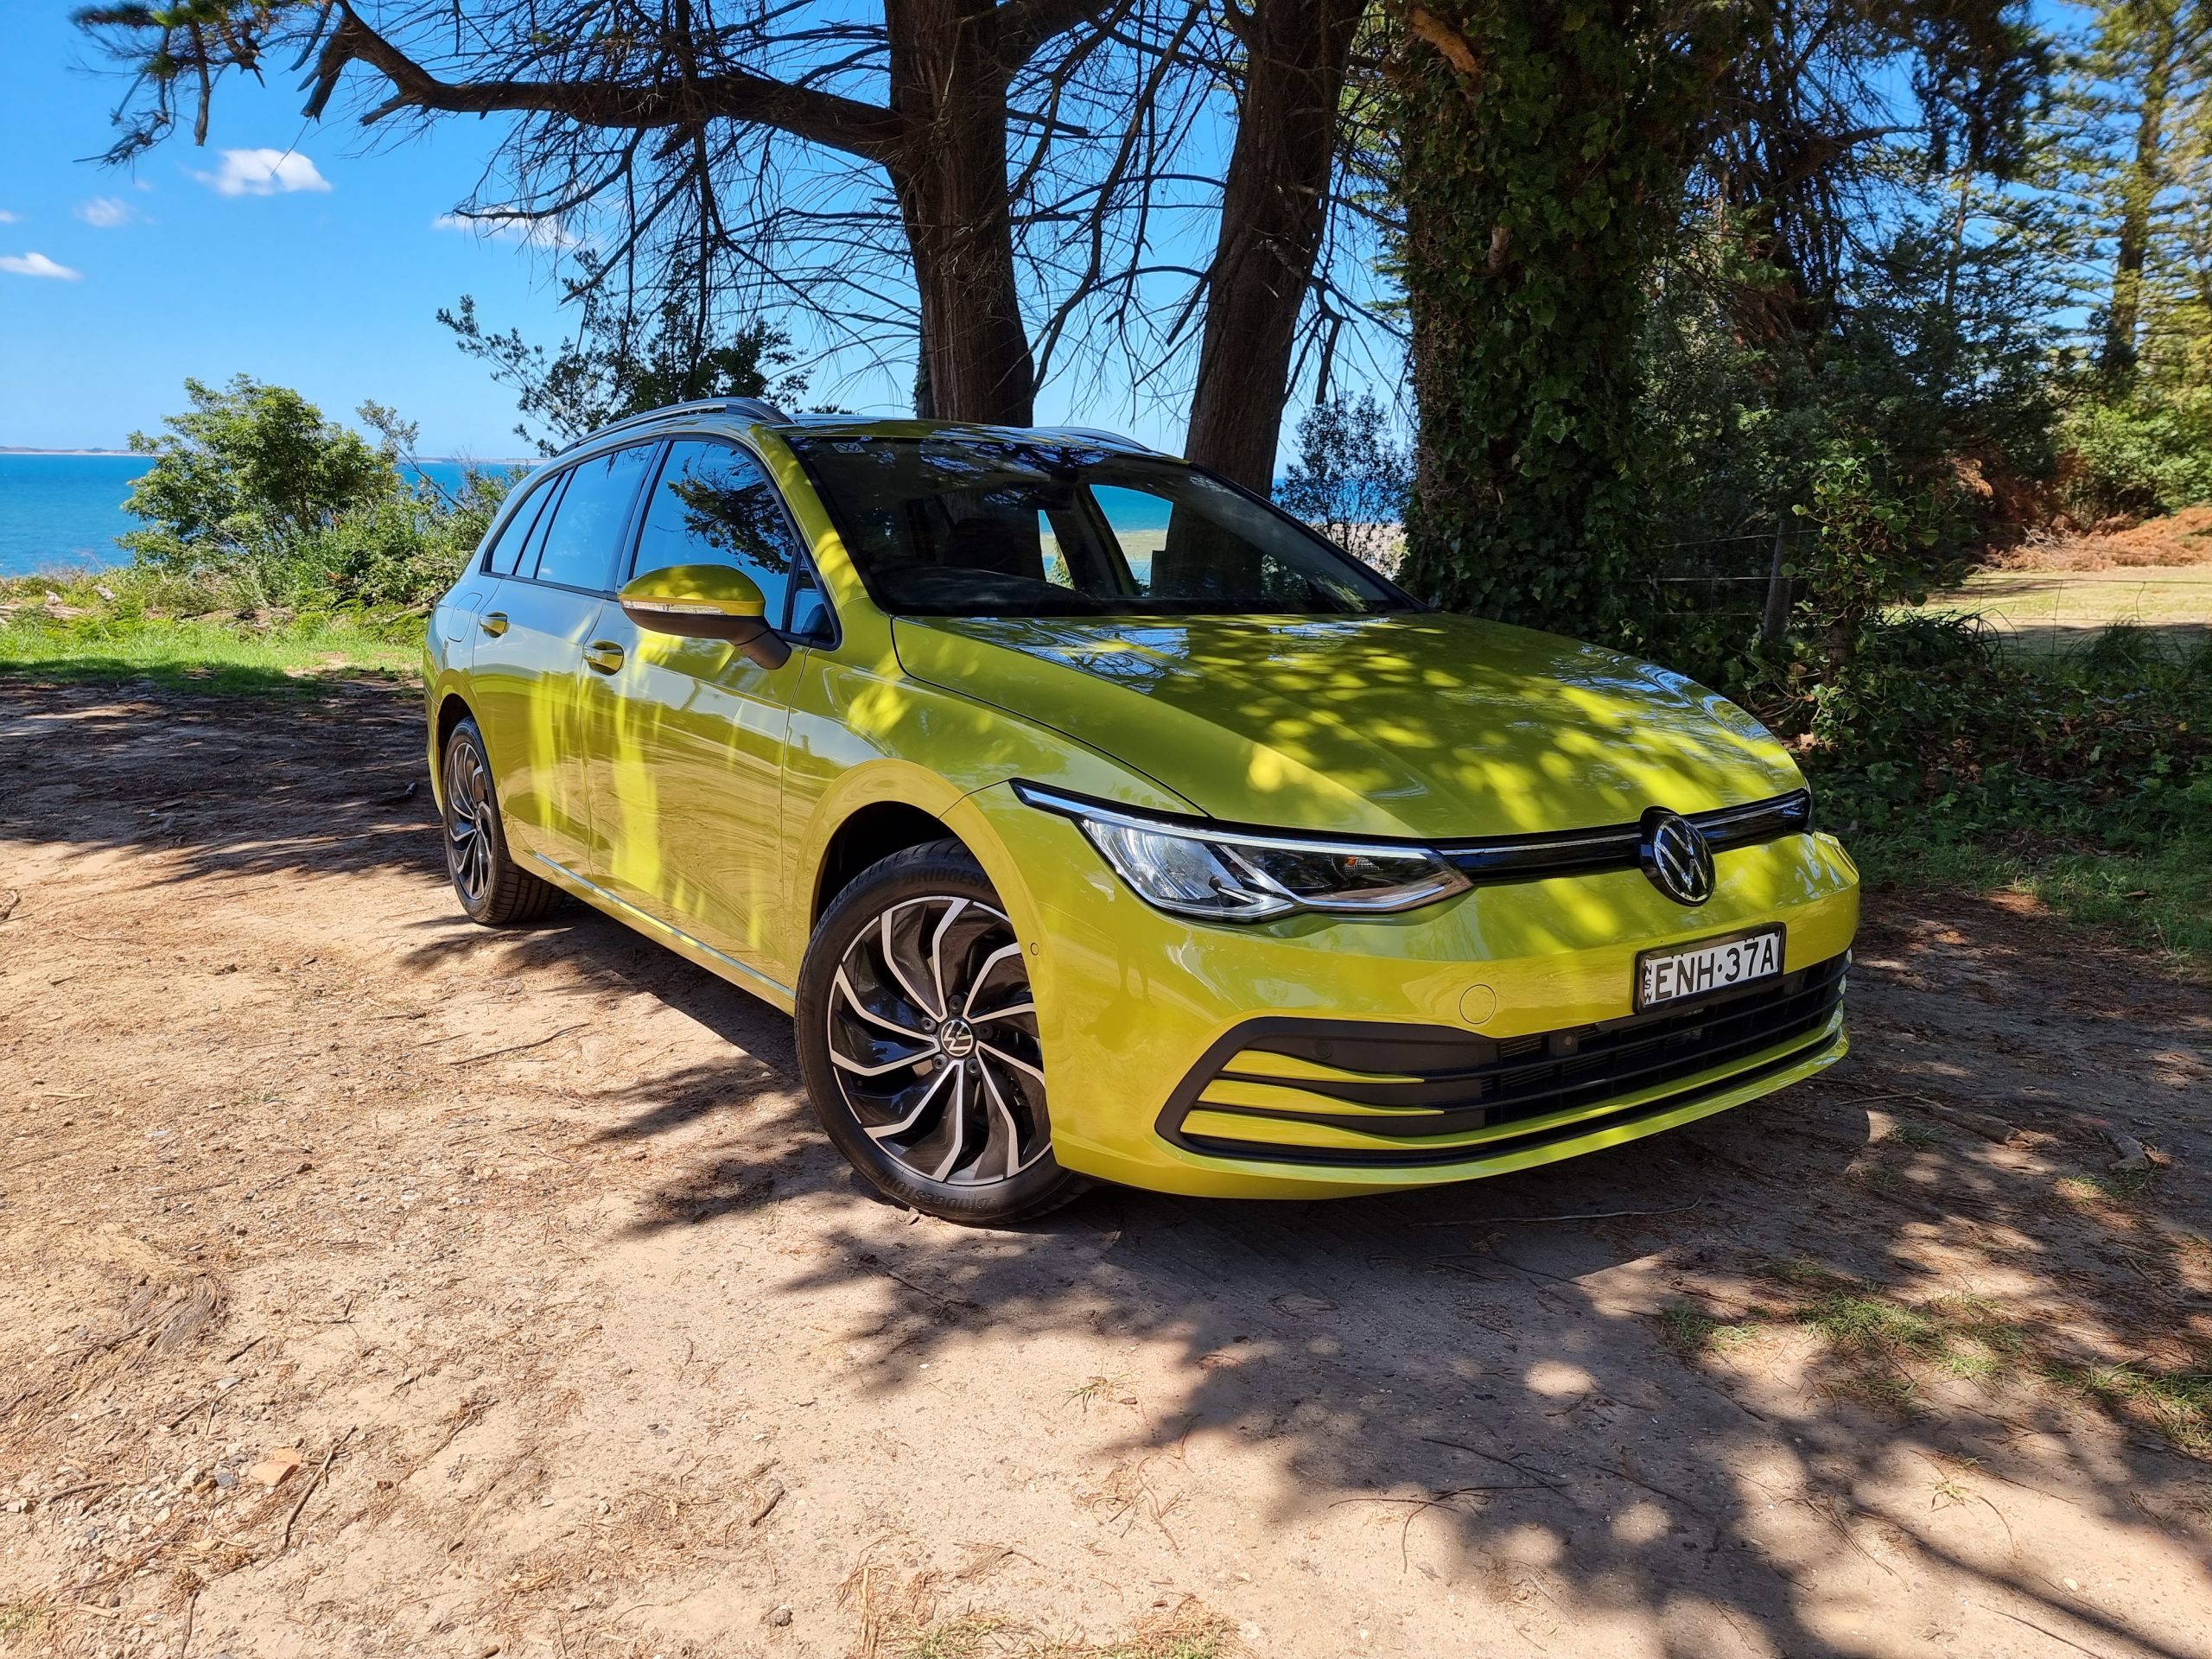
1094 818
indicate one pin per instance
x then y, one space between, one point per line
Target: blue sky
309 255
320 267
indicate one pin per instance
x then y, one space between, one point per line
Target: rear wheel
918 1041
492 887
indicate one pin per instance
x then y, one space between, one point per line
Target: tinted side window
715 506
580 547
518 537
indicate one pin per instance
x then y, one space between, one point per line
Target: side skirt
675 938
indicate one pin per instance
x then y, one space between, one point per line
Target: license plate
1682 971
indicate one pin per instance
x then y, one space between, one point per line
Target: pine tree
2126 164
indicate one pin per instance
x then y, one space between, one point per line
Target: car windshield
973 526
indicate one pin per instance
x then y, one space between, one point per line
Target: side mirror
705 601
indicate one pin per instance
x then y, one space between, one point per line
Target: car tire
492 887
918 1042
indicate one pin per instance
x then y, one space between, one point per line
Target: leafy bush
2145 454
400 551
1882 535
246 473
256 501
1932 728
1891 445
2085 782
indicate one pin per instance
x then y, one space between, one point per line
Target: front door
687 736
527 677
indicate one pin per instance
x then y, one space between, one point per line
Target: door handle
604 655
494 623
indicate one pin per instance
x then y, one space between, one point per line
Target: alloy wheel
933 1033
468 821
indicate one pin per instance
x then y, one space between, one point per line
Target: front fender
863 734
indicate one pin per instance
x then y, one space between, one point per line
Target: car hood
1423 724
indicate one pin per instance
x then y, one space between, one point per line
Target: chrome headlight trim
1243 885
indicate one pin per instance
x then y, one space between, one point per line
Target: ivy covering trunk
1544 150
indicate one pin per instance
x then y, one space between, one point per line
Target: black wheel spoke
468 821
907 1018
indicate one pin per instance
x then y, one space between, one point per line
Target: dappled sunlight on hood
1427 725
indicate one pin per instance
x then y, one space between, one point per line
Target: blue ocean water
64 511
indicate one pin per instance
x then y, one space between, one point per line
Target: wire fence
1745 580
1741 578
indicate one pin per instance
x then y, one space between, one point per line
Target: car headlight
1185 866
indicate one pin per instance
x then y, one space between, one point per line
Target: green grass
1690 1330
2050 611
2119 1189
1918 1136
2177 1406
114 628
1187 1632
19 1618
2161 899
1860 1324
1884 1347
961 1638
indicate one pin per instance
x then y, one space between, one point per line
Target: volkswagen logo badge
1675 857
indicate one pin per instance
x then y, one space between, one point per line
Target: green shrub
256 502
2148 454
1933 728
401 550
246 473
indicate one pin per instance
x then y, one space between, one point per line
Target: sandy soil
515 1264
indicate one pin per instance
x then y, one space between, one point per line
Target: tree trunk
949 177
2139 192
1543 164
1273 206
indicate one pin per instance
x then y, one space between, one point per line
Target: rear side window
518 536
714 505
585 537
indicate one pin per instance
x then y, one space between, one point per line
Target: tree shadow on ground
1702 1383
336 778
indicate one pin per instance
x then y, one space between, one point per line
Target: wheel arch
452 708
873 832
449 710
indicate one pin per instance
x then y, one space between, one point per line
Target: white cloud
35 264
264 173
106 212
6 218
508 227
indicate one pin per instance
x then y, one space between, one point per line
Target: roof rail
1100 432
751 408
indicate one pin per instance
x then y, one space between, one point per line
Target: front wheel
918 1042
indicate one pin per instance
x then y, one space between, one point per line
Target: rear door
528 676
687 736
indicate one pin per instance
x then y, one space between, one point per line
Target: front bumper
1141 1014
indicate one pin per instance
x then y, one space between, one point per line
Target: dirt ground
374 1284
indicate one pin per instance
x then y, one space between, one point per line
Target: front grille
1582 852
1443 1095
